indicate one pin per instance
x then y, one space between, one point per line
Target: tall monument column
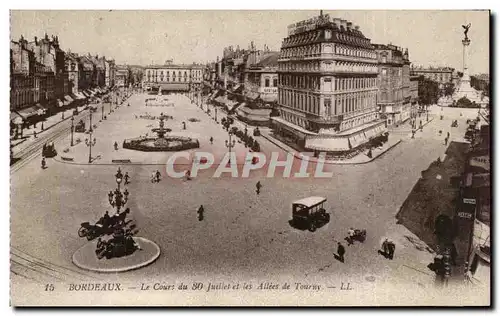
464 88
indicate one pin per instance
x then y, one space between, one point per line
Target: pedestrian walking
158 175
350 236
447 134
446 141
153 177
211 140
385 251
258 186
200 212
127 177
116 146
340 252
392 249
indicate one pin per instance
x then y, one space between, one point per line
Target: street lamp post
427 107
102 112
231 143
72 128
89 141
215 108
117 198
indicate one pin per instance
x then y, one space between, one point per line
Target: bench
67 158
121 161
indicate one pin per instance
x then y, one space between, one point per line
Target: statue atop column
466 30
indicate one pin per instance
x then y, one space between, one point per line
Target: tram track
39 270
27 154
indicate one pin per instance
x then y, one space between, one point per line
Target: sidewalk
358 159
28 133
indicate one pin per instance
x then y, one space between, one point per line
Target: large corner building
327 92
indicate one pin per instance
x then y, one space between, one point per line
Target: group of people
122 239
388 246
155 176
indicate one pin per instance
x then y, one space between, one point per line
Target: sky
151 37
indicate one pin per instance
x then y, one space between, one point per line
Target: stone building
172 77
72 70
442 75
87 73
261 76
48 53
393 97
327 87
121 76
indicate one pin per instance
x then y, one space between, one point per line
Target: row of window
327 66
166 79
20 98
344 103
317 49
196 73
294 119
329 83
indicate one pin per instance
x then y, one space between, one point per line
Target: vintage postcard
250 158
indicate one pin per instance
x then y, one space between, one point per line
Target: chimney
349 26
343 23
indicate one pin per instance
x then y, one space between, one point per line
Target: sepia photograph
336 158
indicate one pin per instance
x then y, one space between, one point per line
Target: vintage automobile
309 213
80 127
103 227
49 151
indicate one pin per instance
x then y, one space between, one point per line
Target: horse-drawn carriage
121 244
106 225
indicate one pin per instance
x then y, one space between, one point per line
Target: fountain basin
167 143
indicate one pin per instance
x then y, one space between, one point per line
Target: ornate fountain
161 142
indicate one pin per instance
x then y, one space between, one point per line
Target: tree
428 91
464 102
449 88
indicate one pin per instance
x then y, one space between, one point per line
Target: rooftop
174 66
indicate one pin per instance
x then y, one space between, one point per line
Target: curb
330 162
124 269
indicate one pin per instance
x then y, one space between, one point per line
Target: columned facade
170 77
328 86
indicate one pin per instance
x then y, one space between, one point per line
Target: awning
220 100
252 95
380 130
31 111
16 118
80 96
292 126
327 143
357 140
68 99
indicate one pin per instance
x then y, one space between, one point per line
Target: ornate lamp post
231 143
117 198
89 141
72 128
